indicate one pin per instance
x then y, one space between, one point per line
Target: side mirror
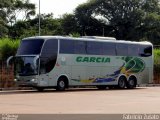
8 60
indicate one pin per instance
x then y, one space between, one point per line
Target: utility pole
39 18
103 32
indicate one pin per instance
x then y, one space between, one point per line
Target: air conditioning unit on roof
99 37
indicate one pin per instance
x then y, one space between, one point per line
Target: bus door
48 60
44 75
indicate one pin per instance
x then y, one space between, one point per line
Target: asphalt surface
81 101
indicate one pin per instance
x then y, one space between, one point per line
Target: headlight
34 80
15 80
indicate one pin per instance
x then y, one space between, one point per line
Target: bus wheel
61 84
101 87
131 82
122 82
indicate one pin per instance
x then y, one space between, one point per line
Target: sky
57 7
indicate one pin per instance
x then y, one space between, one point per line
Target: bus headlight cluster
34 80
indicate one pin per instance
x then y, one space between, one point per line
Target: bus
61 62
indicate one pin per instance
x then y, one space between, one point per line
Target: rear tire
131 82
61 84
122 82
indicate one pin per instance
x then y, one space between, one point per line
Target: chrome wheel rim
62 84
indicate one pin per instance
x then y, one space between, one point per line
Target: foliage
8 48
10 11
68 24
3 21
157 57
49 26
151 28
156 61
74 35
19 7
125 19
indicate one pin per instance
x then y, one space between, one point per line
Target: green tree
68 24
10 11
4 4
49 26
86 22
151 28
126 19
17 8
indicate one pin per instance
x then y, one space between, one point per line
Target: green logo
93 59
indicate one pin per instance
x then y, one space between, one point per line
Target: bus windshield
30 47
26 66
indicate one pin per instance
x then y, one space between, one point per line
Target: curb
149 85
15 88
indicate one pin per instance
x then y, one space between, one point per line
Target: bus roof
90 38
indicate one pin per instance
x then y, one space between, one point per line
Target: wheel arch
122 81
134 76
122 75
65 77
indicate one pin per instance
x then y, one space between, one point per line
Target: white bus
60 62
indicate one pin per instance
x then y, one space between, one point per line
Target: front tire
61 85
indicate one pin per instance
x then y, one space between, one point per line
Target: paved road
73 101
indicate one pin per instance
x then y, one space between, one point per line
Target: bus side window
133 50
122 49
94 48
47 64
67 46
109 49
80 47
145 51
48 56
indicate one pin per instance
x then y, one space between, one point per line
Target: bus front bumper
26 83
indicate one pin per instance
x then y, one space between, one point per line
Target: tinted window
26 66
122 49
48 56
50 48
145 50
80 47
94 48
133 50
30 47
67 46
109 49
